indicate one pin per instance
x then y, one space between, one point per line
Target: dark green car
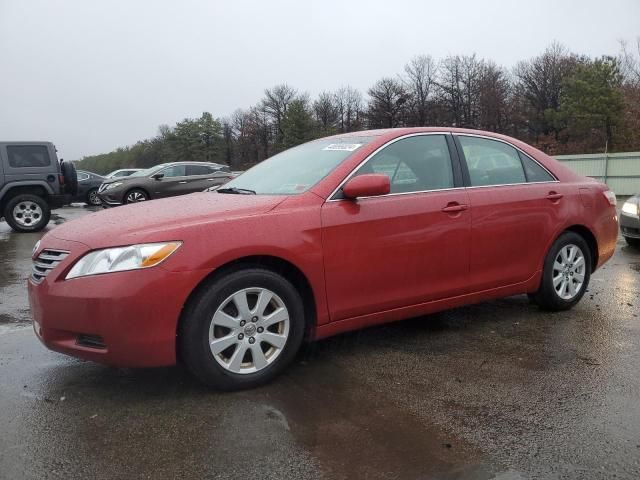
165 180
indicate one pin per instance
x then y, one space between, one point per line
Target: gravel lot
498 390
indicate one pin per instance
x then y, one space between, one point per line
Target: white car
123 172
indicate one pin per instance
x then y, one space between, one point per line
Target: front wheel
27 213
566 273
136 195
242 330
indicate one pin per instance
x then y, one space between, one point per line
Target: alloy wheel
135 197
94 199
568 272
249 330
27 214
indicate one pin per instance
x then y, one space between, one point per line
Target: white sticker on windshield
343 147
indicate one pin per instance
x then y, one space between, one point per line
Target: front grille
45 262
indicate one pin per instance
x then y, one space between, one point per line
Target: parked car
32 183
123 172
333 235
165 180
88 185
630 221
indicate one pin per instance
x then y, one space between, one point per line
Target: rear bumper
134 314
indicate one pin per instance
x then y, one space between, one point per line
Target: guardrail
621 171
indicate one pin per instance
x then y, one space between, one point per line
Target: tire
220 367
92 198
27 213
68 170
548 296
135 193
633 242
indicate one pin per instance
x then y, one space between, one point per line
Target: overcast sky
94 75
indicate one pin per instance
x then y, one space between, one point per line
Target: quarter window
533 171
199 170
491 162
28 156
414 164
83 176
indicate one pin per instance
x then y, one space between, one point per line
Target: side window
414 164
28 156
174 171
199 170
491 162
533 171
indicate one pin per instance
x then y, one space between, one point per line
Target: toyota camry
334 235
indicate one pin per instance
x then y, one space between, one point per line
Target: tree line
558 101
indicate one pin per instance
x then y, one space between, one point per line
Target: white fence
621 171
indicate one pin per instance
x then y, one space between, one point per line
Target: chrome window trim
555 179
409 135
348 177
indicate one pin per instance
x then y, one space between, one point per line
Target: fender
26 183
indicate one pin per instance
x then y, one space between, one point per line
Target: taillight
611 197
61 179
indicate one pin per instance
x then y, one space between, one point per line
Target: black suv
32 183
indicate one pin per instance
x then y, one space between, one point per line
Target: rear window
21 156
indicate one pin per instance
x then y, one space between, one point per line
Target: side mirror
369 185
157 176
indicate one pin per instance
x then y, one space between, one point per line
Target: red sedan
333 235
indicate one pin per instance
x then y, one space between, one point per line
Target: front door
401 249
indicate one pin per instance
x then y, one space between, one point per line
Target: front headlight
119 259
110 186
631 207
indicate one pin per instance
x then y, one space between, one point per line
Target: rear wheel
566 273
27 213
242 330
633 242
136 195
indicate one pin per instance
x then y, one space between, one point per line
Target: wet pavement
499 390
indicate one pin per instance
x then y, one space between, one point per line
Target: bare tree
494 98
419 82
326 111
275 104
387 104
460 84
350 107
540 81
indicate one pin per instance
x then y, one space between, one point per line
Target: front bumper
109 200
629 226
134 314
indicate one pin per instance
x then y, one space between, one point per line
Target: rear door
202 177
516 205
405 248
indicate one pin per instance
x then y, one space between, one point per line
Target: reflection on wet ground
497 390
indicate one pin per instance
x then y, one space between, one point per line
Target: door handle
455 207
553 196
184 181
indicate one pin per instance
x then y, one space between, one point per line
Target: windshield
148 171
297 169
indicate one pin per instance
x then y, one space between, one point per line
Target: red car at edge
334 235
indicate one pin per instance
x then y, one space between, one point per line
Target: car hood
161 220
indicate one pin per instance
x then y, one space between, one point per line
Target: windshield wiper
236 190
